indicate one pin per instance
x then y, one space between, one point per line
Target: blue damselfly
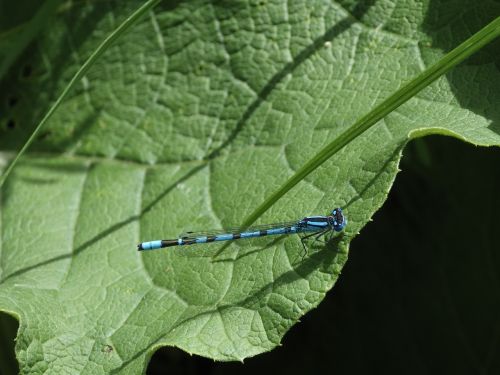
312 225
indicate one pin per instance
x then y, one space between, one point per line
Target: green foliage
190 121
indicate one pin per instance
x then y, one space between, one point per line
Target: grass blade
401 96
120 30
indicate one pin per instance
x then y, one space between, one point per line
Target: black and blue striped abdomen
235 236
308 224
192 239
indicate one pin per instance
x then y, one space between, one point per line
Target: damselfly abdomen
312 225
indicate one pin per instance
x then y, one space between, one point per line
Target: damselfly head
339 221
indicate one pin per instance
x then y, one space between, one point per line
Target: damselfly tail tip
150 245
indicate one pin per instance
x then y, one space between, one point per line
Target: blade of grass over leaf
103 47
456 56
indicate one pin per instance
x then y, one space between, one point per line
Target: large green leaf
190 121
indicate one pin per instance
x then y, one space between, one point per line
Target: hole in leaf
12 101
11 124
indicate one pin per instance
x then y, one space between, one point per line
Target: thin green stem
401 96
103 47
